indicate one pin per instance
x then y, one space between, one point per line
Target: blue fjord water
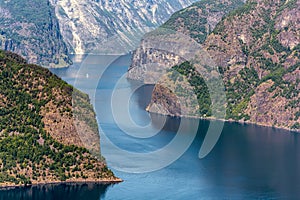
248 161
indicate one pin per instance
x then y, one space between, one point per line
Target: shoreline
9 186
226 120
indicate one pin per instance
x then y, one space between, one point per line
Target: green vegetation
27 152
199 85
31 28
28 11
239 92
296 126
263 59
239 89
194 18
245 9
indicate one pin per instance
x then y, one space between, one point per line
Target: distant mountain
194 22
111 26
31 29
48 130
46 31
256 48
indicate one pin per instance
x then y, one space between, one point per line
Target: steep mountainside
256 48
111 26
48 130
31 29
195 21
45 31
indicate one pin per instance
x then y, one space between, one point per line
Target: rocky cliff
48 130
194 22
256 49
31 29
114 26
46 31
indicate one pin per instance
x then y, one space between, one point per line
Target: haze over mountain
46 31
114 26
31 29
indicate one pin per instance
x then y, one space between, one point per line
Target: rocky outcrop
151 60
113 27
256 50
31 29
256 63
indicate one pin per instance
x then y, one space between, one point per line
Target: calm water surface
248 162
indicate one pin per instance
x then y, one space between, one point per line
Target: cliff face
48 130
194 22
256 48
46 31
114 26
31 29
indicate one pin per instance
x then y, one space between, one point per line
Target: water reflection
172 124
57 192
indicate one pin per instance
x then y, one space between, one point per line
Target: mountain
256 50
48 130
46 31
111 26
31 29
194 22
